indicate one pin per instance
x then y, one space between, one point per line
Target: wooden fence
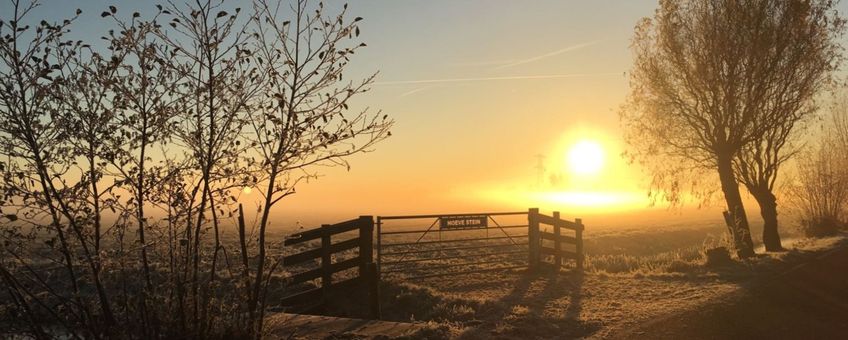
501 247
366 279
536 237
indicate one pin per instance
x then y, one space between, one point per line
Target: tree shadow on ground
546 303
542 304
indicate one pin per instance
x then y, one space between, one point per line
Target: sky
483 93
479 90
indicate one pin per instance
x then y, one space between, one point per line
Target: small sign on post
464 222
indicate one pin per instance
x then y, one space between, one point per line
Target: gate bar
465 272
456 248
448 266
409 217
455 257
448 241
453 229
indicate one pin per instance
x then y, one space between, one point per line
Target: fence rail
367 276
537 248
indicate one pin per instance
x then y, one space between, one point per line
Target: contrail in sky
458 80
415 91
547 55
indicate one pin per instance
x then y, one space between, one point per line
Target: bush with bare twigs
122 165
819 194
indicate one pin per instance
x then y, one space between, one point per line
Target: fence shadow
545 303
575 296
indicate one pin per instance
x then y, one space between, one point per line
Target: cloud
527 77
547 55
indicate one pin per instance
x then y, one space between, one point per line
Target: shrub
821 226
122 162
717 257
820 192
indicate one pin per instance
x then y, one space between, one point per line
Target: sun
247 190
586 157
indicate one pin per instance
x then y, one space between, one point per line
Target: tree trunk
145 265
768 209
741 231
254 302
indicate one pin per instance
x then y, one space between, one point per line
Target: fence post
326 259
533 237
366 243
372 281
557 245
579 236
379 243
367 268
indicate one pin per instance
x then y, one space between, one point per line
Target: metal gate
423 246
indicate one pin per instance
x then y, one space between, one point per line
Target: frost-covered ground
622 287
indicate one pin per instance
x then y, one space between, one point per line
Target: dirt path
809 301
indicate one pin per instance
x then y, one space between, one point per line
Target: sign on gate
464 222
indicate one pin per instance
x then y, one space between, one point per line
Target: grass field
631 275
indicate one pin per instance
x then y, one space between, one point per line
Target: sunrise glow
586 157
423 169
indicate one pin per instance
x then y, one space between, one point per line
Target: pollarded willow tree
716 89
797 54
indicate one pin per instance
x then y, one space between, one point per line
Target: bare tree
819 191
303 118
839 120
84 112
118 163
709 83
38 160
146 101
209 44
795 58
